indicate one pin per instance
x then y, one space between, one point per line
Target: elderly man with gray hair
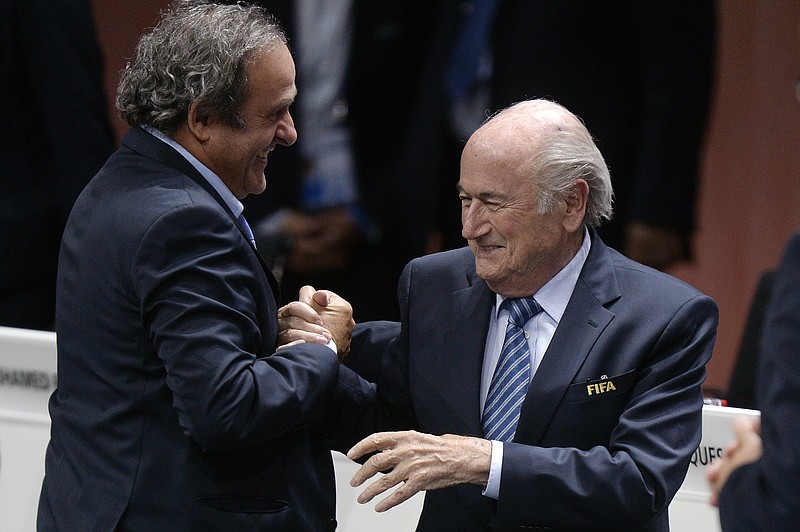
551 383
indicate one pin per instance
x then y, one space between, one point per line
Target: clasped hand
317 316
418 462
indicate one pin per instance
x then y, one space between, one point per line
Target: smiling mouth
263 154
483 245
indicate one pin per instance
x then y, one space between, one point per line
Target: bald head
547 143
528 121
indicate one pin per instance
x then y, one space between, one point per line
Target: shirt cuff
492 489
332 346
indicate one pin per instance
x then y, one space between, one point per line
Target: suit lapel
146 144
583 321
463 360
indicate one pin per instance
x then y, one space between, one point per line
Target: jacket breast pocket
604 389
590 411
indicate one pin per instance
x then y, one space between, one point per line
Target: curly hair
198 52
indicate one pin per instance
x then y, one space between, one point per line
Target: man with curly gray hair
175 410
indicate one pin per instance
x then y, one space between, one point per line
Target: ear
198 123
576 206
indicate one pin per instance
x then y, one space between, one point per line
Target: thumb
322 298
306 294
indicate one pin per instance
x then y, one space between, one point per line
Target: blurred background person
756 485
638 73
331 216
388 93
55 135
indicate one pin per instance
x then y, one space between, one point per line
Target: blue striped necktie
246 228
512 375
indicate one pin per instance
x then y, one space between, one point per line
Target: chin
257 189
485 272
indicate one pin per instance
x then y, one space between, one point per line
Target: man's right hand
317 312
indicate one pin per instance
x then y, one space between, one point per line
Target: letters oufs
705 455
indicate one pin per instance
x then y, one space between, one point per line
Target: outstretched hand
418 462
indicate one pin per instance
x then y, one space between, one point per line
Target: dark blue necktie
246 228
512 375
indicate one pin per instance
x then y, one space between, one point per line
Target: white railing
28 377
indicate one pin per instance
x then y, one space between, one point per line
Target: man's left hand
418 462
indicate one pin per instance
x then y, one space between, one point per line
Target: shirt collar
213 179
554 295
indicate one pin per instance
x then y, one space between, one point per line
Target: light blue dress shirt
553 298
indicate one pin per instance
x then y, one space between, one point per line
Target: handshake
318 316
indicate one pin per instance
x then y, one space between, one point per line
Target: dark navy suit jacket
764 495
613 413
173 412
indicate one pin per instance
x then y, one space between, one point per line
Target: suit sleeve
210 321
763 495
632 479
356 411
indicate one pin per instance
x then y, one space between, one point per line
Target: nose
286 134
473 220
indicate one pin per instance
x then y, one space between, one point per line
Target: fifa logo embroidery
600 387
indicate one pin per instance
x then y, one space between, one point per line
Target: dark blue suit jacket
173 412
765 495
584 456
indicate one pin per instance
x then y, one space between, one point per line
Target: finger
300 324
322 297
288 337
401 494
714 499
712 473
374 442
744 428
731 449
383 461
298 309
306 293
384 483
